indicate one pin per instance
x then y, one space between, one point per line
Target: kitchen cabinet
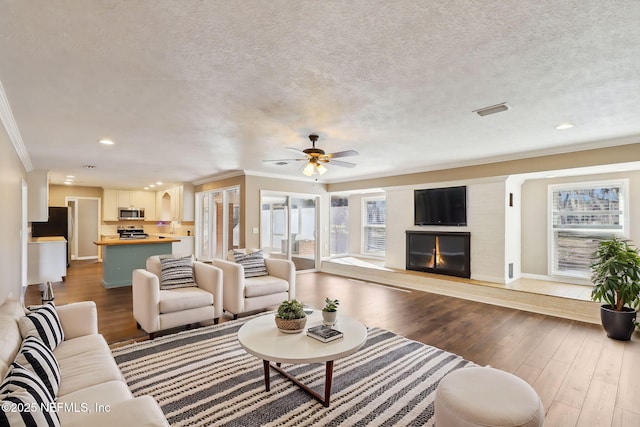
109 205
38 196
113 199
46 260
176 203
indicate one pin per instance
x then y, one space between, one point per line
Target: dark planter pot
618 324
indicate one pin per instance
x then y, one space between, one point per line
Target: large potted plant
615 274
291 317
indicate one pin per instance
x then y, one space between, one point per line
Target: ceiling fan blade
346 153
343 164
297 151
285 160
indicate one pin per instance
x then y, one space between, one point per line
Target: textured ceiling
191 89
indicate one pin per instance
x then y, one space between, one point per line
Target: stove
132 233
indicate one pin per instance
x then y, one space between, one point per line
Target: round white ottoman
483 396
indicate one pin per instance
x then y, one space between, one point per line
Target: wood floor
582 377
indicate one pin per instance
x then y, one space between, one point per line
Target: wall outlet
255 230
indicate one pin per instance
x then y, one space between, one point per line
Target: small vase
329 317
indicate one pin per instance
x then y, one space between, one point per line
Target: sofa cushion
23 387
38 358
265 285
176 273
93 398
43 322
253 263
181 299
85 362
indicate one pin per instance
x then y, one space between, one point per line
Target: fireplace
439 252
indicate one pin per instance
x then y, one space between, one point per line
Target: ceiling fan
316 158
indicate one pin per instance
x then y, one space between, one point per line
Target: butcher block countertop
147 241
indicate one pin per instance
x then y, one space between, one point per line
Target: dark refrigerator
58 225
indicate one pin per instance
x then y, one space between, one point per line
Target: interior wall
535 216
513 228
12 173
485 222
57 193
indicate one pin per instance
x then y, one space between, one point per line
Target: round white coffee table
261 338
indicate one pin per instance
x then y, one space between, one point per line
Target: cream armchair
243 295
158 309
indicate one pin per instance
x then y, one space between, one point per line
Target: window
374 218
339 225
217 223
583 214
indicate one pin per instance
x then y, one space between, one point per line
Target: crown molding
12 130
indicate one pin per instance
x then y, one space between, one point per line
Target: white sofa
92 390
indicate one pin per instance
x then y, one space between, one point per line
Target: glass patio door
289 228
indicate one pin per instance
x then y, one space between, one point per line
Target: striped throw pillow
35 356
22 389
43 322
253 263
176 273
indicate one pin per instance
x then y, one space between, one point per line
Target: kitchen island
120 257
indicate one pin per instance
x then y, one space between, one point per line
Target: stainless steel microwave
130 213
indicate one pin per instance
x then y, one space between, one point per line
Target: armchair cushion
176 273
43 322
253 263
184 299
268 285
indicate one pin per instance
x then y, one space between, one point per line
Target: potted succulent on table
330 311
615 274
291 317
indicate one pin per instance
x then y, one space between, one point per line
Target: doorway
84 227
289 224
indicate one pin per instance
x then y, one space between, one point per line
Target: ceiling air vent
493 109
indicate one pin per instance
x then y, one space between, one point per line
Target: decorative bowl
291 326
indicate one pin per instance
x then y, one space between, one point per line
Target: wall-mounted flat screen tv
441 206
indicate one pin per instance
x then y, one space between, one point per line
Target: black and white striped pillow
253 263
43 322
176 273
38 358
22 390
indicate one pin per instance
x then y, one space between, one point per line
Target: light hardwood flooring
582 377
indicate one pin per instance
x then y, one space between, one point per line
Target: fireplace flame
436 257
439 258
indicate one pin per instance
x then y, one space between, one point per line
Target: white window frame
365 225
603 232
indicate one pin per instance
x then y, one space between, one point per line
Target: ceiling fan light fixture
321 168
309 169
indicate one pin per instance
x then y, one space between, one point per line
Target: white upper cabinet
38 196
176 203
113 199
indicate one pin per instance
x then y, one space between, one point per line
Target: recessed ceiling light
152 185
158 183
498 108
146 188
70 176
105 141
563 126
68 182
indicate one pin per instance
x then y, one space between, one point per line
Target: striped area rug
204 378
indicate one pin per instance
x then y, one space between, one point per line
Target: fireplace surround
439 252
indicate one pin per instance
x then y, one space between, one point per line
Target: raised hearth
439 252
